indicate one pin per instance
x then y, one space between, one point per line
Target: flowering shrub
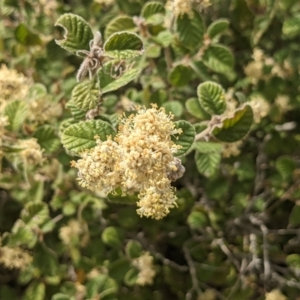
149 149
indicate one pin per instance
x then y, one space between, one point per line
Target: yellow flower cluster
181 7
139 159
70 233
13 85
275 295
231 149
14 258
105 2
144 264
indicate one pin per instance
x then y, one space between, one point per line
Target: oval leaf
81 136
186 138
16 111
118 24
236 127
190 30
180 75
207 163
219 59
85 95
109 83
77 35
35 214
26 37
152 8
195 109
211 97
123 45
47 138
208 147
217 27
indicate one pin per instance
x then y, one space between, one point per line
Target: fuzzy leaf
77 113
180 75
112 236
35 291
120 23
207 147
81 136
123 45
211 97
217 27
108 83
131 277
196 220
16 111
285 166
26 37
294 218
85 95
195 109
133 249
34 214
151 8
190 30
77 35
291 26
219 59
175 107
186 138
236 127
47 138
207 163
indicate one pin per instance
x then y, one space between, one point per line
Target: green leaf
100 287
207 147
60 296
217 27
26 37
123 45
35 291
195 109
186 138
77 113
47 138
197 220
37 90
180 75
86 94
164 38
77 35
291 26
108 83
293 260
175 107
285 166
211 97
112 236
236 127
151 8
120 23
207 163
131 277
219 59
35 214
294 218
190 30
16 111
81 136
133 249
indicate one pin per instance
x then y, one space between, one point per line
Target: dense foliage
149 150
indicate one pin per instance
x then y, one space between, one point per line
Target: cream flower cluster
181 7
139 159
13 85
144 264
14 258
275 295
32 153
260 107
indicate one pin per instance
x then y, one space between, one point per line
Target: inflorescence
139 159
